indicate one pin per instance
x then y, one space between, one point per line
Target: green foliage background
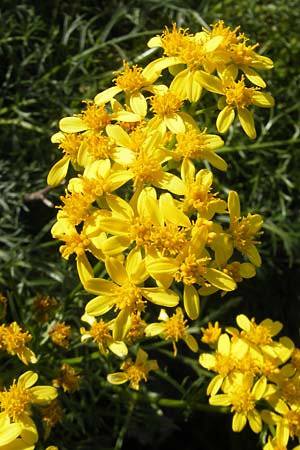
53 55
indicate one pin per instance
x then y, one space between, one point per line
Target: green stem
254 147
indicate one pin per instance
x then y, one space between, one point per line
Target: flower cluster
17 429
141 205
258 377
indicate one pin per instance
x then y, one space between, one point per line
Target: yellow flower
8 431
211 334
195 144
99 332
125 292
15 403
143 154
134 372
236 96
132 81
242 395
287 421
60 334
188 53
244 229
70 144
172 328
198 196
13 340
224 361
191 267
68 379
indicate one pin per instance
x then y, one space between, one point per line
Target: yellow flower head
68 380
13 339
134 372
172 328
60 334
16 402
211 334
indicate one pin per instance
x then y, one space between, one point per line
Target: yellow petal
42 395
72 125
154 329
9 433
234 205
220 280
119 348
191 302
263 99
247 122
28 379
106 95
84 268
175 124
210 82
138 104
119 135
99 305
191 342
225 119
254 77
117 378
161 296
116 270
58 172
239 421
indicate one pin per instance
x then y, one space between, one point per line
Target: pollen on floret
13 338
99 146
191 269
238 95
173 40
165 105
130 297
71 144
168 240
130 79
74 243
77 207
211 334
60 334
15 401
68 380
95 116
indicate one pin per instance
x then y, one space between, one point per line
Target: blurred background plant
53 55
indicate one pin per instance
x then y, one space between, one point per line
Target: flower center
140 231
175 327
71 144
99 146
244 231
76 207
146 168
12 338
168 240
95 116
238 95
15 401
242 401
293 418
131 79
100 332
74 243
129 297
165 105
191 269
258 334
173 40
